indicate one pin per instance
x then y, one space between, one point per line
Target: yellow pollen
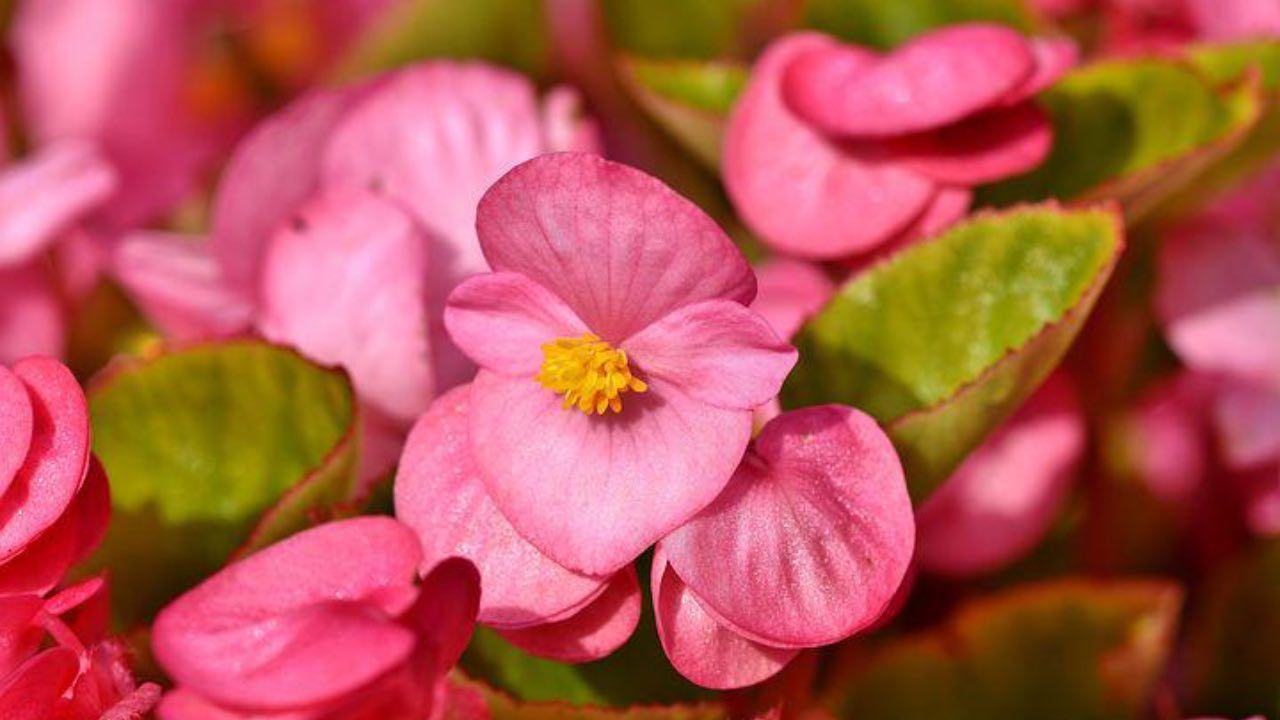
590 373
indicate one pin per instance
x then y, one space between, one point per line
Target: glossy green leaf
508 32
943 341
690 99
883 24
1065 649
1135 131
210 449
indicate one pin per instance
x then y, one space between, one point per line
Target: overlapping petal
501 320
593 632
31 318
43 194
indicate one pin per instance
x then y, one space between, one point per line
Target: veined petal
501 320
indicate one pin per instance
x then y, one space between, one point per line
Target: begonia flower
1004 497
806 546
834 150
619 364
535 603
327 623
789 292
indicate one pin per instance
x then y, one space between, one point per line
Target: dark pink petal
804 194
439 493
1053 57
936 79
501 320
31 321
272 171
991 146
592 633
1261 491
947 207
56 461
302 622
715 351
1247 415
701 649
15 418
445 612
345 283
42 195
33 690
592 492
790 292
20 636
1004 497
178 283
617 246
810 539
181 704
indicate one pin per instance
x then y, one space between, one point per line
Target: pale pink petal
345 284
1053 57
701 649
811 538
1235 19
178 283
592 492
790 292
1247 415
31 319
56 461
302 622
715 351
16 419
933 80
990 146
564 126
273 170
501 320
804 194
33 690
45 193
617 246
1005 496
439 493
592 633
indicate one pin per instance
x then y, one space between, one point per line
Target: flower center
590 373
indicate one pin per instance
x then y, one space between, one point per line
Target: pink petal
701 649
1168 447
810 539
45 193
273 170
15 418
1261 490
565 128
445 612
991 146
594 632
1235 19
790 292
617 246
715 351
302 622
804 194
178 283
501 320
1053 58
181 704
593 492
56 461
31 321
345 284
33 690
936 79
20 636
439 493
1005 496
1247 415
947 207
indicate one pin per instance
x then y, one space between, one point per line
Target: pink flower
1005 496
833 150
789 293
619 363
535 603
327 623
806 546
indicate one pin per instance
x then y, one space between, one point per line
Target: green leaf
1134 131
944 340
690 99
883 25
1066 649
198 444
500 706
684 28
1234 653
508 32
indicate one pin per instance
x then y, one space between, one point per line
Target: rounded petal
592 492
992 146
439 493
445 612
701 649
57 460
804 194
810 539
1053 58
593 632
501 320
345 284
790 292
936 79
45 193
31 321
16 419
716 351
304 621
33 691
1005 496
617 246
1247 417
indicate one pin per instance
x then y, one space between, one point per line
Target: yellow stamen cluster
589 372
